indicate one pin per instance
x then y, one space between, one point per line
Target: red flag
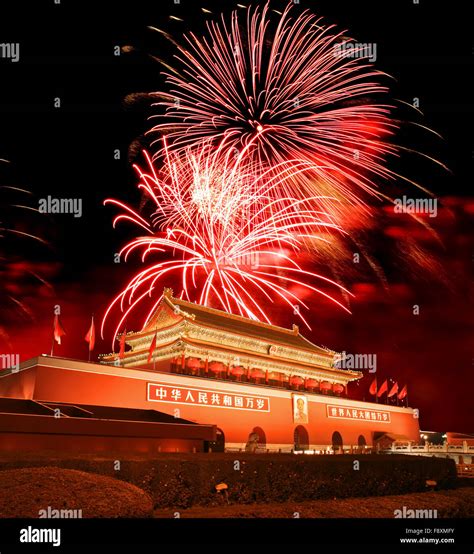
152 348
58 329
90 337
403 393
393 390
373 387
382 389
122 345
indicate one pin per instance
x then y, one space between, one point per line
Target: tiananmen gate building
225 380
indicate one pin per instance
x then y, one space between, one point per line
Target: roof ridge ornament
179 311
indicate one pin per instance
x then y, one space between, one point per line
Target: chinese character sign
344 412
201 397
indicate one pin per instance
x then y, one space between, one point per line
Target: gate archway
337 443
301 438
219 444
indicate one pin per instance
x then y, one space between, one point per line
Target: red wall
28 442
129 389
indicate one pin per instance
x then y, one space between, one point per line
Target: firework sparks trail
220 186
273 136
16 232
286 89
232 244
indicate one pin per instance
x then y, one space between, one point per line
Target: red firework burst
231 246
290 90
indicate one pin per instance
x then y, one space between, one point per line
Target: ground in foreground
449 504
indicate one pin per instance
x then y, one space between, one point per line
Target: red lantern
311 383
296 380
217 367
257 374
275 376
325 385
193 363
338 388
237 371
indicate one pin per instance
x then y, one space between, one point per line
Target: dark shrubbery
24 492
184 480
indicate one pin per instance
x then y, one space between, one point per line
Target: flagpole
125 333
91 335
52 342
90 338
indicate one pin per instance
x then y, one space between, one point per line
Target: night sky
67 51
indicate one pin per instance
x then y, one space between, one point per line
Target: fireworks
225 187
289 89
16 275
228 241
271 142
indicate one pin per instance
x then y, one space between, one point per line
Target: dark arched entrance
301 438
361 441
262 438
219 444
337 443
257 439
